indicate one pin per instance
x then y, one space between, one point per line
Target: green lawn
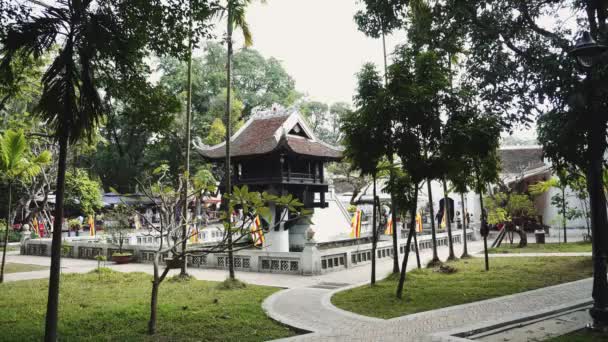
14 268
581 336
116 308
571 247
427 289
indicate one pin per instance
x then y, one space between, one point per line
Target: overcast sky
317 42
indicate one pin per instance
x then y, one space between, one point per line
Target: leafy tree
119 225
82 194
364 136
469 142
217 133
316 113
91 42
416 81
168 203
521 64
138 134
513 210
17 164
258 81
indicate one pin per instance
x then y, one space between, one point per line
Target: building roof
267 131
516 160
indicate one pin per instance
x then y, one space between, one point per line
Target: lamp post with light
588 54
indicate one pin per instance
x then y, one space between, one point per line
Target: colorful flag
35 226
418 223
355 225
194 235
257 234
91 222
443 219
389 226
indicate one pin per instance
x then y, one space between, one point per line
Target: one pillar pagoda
276 151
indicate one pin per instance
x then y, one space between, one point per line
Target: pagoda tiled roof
268 131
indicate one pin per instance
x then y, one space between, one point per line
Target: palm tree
86 35
236 18
17 163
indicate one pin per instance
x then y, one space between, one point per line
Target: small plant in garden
65 250
118 226
74 225
100 259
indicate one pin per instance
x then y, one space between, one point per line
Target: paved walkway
310 309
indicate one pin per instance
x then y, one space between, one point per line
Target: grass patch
16 268
571 247
115 307
427 289
11 248
581 336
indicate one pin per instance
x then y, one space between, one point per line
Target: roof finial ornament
199 144
274 110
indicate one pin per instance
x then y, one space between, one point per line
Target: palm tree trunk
448 220
374 233
184 269
52 309
465 250
228 134
433 231
8 225
408 244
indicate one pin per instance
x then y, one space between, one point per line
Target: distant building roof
267 131
519 159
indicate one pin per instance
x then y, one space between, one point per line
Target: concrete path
310 309
315 312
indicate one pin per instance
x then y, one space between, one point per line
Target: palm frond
544 186
239 20
14 146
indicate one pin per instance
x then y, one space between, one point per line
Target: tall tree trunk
465 251
374 233
408 244
184 269
394 219
433 231
416 249
448 220
228 174
8 227
52 308
153 308
483 222
154 298
564 212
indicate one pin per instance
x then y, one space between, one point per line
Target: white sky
317 42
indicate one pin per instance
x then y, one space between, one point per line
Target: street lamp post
587 52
